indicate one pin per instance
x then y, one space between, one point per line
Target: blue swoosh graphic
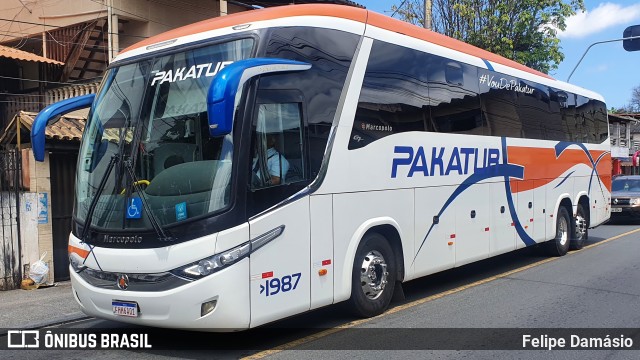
508 171
563 145
595 165
500 170
565 179
512 208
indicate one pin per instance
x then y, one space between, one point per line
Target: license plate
616 209
125 308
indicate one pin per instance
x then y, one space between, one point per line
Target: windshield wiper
94 201
92 207
162 235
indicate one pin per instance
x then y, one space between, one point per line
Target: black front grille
619 201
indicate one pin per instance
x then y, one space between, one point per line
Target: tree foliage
634 105
523 30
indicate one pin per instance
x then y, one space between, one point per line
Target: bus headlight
76 263
207 266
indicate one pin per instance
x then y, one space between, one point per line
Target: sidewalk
30 309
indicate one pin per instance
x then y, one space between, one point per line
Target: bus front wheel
373 278
564 231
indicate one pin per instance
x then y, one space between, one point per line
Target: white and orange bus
247 168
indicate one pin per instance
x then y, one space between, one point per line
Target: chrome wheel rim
581 226
563 233
373 274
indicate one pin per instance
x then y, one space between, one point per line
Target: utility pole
223 8
427 14
113 40
627 40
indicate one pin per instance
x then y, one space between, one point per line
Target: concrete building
625 142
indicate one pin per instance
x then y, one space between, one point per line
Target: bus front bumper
180 307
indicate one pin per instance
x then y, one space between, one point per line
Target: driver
277 164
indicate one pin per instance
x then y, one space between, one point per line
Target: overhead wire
187 4
25 39
61 42
399 7
130 13
121 10
54 26
47 81
21 102
11 22
14 94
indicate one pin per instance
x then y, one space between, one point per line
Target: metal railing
10 242
29 102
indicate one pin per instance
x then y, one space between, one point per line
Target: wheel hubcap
373 274
563 234
581 226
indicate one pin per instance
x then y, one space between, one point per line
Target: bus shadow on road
305 327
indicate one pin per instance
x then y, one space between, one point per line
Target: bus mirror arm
221 97
51 112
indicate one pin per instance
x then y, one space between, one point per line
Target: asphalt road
597 287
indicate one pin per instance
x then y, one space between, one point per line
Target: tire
564 230
373 276
581 233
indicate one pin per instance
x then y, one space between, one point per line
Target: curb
52 322
61 320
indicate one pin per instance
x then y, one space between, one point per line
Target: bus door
279 225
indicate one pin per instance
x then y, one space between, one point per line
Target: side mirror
221 97
50 112
634 43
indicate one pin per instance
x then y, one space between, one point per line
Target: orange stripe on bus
405 28
246 17
344 12
541 166
82 252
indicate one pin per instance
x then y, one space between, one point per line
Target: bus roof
339 11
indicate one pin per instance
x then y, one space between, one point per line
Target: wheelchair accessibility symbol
134 208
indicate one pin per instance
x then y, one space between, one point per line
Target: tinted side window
409 90
309 97
276 137
454 99
554 124
533 109
585 120
500 103
330 53
569 117
394 94
601 121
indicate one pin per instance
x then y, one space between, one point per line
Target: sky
607 68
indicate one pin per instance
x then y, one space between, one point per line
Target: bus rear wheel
564 230
373 277
582 229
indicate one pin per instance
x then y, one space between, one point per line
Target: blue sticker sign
43 208
134 208
181 211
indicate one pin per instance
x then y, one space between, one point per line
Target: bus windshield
151 118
